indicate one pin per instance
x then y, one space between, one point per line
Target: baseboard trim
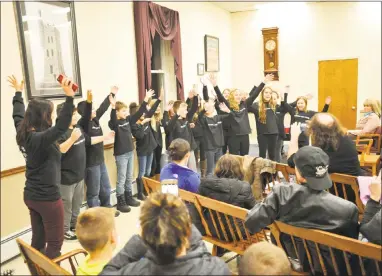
9 248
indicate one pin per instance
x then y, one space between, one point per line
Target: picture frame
48 44
200 68
211 53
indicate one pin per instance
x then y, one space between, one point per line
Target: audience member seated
227 186
308 206
168 244
97 234
327 133
371 223
264 258
371 120
179 153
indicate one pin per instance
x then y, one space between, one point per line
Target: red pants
47 219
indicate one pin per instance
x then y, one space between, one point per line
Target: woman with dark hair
227 185
37 140
179 152
168 244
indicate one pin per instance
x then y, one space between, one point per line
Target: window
47 52
48 39
51 69
51 51
51 39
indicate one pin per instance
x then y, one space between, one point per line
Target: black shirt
344 160
43 157
213 130
123 140
94 153
239 118
271 125
197 131
146 142
158 133
281 110
73 162
302 116
180 128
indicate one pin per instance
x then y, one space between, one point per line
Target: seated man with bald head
327 133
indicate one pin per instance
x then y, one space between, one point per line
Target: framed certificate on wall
211 53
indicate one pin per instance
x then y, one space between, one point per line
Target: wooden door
339 79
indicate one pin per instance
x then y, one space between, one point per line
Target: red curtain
149 19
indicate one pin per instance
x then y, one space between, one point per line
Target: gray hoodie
136 259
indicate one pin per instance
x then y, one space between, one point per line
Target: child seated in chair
97 234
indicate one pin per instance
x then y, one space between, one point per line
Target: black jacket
300 206
371 222
136 259
42 154
231 191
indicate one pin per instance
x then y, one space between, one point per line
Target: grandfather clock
271 54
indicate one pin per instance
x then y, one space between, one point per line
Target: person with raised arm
96 177
238 143
179 125
122 123
37 140
72 145
145 142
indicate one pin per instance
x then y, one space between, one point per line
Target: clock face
270 45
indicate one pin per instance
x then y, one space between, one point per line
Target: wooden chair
151 185
39 264
329 252
340 184
234 236
376 137
364 146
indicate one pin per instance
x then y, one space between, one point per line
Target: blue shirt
187 179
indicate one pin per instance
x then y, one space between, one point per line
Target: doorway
339 79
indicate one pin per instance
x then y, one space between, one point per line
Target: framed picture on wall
211 53
48 42
200 69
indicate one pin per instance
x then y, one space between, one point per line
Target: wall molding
22 169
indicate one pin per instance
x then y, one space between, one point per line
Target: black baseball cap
313 163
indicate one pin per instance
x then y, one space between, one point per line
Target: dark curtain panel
149 19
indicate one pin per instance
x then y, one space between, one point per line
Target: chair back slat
214 223
37 262
230 228
318 251
348 268
362 266
335 266
221 226
308 255
238 231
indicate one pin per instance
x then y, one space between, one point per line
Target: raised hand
114 90
149 94
76 133
328 100
268 77
112 101
287 88
169 106
213 79
18 86
66 85
203 80
192 125
309 96
89 96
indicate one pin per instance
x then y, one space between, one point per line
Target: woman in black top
37 140
197 131
145 142
238 143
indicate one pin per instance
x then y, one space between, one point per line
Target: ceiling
236 6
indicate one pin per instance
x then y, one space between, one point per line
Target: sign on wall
211 52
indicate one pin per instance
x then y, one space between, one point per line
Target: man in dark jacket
136 259
307 206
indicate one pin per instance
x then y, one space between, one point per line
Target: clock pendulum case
271 55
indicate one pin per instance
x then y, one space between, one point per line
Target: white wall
106 45
309 32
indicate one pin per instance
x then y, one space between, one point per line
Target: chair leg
214 250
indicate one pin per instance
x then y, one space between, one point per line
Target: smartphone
74 85
170 186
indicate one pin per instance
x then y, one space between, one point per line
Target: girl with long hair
238 143
37 140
